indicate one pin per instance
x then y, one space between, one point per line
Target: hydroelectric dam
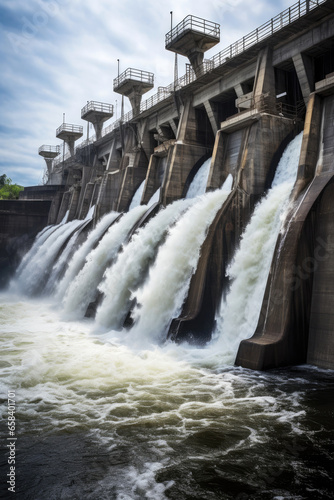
205 211
166 295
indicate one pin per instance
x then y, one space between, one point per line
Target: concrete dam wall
249 133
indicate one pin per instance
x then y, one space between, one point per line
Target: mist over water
122 414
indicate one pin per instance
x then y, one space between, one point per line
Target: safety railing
49 149
136 75
267 29
193 23
289 110
67 127
100 107
162 94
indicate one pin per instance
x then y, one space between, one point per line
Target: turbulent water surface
97 419
106 410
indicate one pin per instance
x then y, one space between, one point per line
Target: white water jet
36 270
64 220
83 289
81 253
160 299
126 274
137 196
39 240
250 267
61 262
199 182
154 198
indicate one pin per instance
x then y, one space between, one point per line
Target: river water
104 412
97 419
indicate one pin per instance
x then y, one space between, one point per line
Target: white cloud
57 54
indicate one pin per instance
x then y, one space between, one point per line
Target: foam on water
162 420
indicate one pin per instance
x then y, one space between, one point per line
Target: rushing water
120 415
198 185
251 264
97 419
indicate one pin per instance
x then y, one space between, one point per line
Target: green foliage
8 190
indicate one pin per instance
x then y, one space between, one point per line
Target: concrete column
64 206
152 179
217 174
74 203
86 177
49 162
95 194
87 198
135 99
196 57
173 127
131 181
211 109
98 125
264 83
304 69
54 209
310 145
70 144
108 192
321 338
182 156
239 90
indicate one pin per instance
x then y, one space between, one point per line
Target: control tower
97 113
49 153
133 83
191 38
69 133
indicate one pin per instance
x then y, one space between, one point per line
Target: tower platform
49 151
192 33
95 111
67 130
143 81
133 83
69 134
191 38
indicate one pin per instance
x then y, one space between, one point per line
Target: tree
8 190
3 179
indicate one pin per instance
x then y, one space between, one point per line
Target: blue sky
55 55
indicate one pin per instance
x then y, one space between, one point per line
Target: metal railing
67 127
292 14
291 111
162 94
101 107
49 149
136 75
267 29
193 23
